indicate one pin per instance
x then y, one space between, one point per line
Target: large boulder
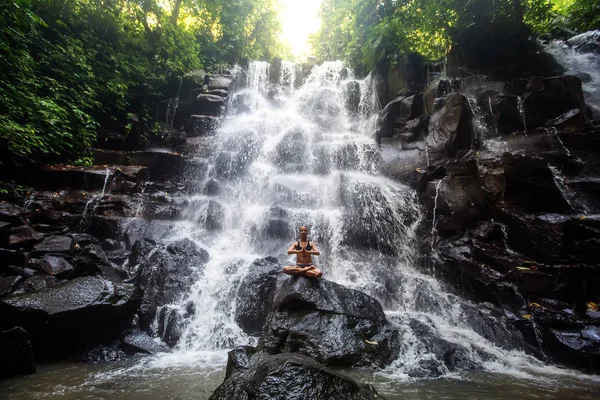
16 353
330 323
397 112
450 129
164 273
255 295
289 376
73 314
548 98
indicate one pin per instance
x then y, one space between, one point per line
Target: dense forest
67 67
70 67
368 32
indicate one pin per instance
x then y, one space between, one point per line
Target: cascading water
308 158
579 62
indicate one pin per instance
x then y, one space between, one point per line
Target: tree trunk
175 13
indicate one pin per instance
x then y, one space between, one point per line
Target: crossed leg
310 271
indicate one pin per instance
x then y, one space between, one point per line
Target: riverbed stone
255 295
290 376
164 273
328 322
54 244
73 314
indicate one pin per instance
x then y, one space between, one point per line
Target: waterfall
581 63
309 158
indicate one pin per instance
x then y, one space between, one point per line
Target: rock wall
507 174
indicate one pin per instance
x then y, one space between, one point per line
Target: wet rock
16 353
72 314
99 354
208 104
436 89
56 266
171 322
530 184
548 98
219 82
334 325
13 257
352 97
580 348
213 218
507 115
290 376
165 274
54 244
568 122
38 282
92 260
255 295
239 358
8 284
23 236
397 113
450 129
202 125
140 342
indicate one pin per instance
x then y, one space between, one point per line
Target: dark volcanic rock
54 244
140 342
56 266
16 353
255 295
202 125
292 377
450 128
548 98
73 314
334 325
23 236
214 216
8 284
165 275
397 112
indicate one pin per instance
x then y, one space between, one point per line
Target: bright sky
299 19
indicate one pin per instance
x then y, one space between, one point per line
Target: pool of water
152 378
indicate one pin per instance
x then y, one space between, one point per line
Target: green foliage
68 67
366 32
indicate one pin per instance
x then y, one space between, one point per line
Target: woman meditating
304 250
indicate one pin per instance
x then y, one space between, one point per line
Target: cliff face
505 161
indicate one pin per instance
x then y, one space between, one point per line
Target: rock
239 358
54 244
507 115
290 376
16 353
450 129
92 260
531 185
88 178
171 322
56 266
165 274
334 325
23 236
397 113
568 122
208 104
38 282
202 125
73 314
219 82
11 214
548 98
8 284
13 257
99 354
213 218
139 342
255 295
436 89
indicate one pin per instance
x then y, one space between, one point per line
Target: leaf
527 316
534 305
371 342
592 306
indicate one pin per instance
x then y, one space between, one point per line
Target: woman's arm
292 249
314 251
